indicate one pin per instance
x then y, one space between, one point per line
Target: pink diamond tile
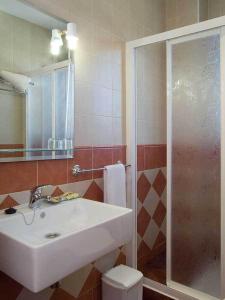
8 202
143 220
143 187
9 288
60 294
159 183
93 280
160 240
159 214
143 249
57 192
94 192
97 293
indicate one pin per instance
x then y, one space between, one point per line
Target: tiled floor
151 295
156 268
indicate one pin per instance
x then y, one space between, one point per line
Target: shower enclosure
188 63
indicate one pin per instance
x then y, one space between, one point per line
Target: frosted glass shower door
194 164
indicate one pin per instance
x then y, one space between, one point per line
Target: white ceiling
21 10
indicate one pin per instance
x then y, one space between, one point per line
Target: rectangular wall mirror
36 86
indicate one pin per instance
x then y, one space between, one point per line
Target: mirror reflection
36 85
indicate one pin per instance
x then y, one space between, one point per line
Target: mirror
36 86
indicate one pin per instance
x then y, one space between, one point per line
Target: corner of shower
179 168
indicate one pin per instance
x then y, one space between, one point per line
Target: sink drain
52 235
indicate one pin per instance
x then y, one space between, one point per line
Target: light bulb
55 49
56 42
71 36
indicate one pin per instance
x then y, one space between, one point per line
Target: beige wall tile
103 14
102 131
83 130
118 103
118 131
83 98
6 37
102 101
103 28
181 13
216 8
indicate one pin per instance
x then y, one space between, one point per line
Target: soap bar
70 196
64 197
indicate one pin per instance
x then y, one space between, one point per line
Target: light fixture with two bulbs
71 37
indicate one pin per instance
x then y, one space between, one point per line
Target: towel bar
76 170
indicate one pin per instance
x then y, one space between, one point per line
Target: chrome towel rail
76 170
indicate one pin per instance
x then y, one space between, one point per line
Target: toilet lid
122 277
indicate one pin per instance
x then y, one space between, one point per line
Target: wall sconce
71 37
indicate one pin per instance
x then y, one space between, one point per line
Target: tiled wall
24 45
181 13
216 8
84 284
151 152
186 12
151 94
151 201
103 28
18 178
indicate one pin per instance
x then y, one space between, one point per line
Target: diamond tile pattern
151 217
57 192
9 288
84 284
8 202
143 187
159 183
143 221
159 214
94 192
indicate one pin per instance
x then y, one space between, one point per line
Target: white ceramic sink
87 230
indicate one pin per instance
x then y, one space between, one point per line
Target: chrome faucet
36 196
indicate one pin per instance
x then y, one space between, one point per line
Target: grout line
67 171
92 162
37 164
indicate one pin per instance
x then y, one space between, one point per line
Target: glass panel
64 110
39 120
60 102
151 160
196 164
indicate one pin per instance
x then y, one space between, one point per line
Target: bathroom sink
62 238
